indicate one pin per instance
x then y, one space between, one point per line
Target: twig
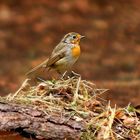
76 91
21 87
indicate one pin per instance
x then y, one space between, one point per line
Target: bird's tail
43 65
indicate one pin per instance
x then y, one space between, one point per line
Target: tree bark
34 121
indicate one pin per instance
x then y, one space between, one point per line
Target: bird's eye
74 37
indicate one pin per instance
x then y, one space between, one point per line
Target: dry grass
81 100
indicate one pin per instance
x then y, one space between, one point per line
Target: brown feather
54 59
43 64
60 49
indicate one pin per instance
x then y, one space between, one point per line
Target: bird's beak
82 36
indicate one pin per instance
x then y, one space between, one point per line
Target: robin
64 55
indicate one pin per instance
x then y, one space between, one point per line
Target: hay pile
81 100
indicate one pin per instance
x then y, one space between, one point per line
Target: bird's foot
67 75
74 74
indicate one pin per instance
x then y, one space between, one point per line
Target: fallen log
36 122
66 110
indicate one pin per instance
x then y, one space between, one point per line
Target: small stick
76 91
21 87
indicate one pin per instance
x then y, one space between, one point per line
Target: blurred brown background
29 30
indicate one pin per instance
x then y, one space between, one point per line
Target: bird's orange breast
76 51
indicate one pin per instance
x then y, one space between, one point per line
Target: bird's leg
63 75
40 79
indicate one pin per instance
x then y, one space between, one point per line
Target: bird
64 55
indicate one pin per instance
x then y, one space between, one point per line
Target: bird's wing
60 47
56 57
57 54
43 64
